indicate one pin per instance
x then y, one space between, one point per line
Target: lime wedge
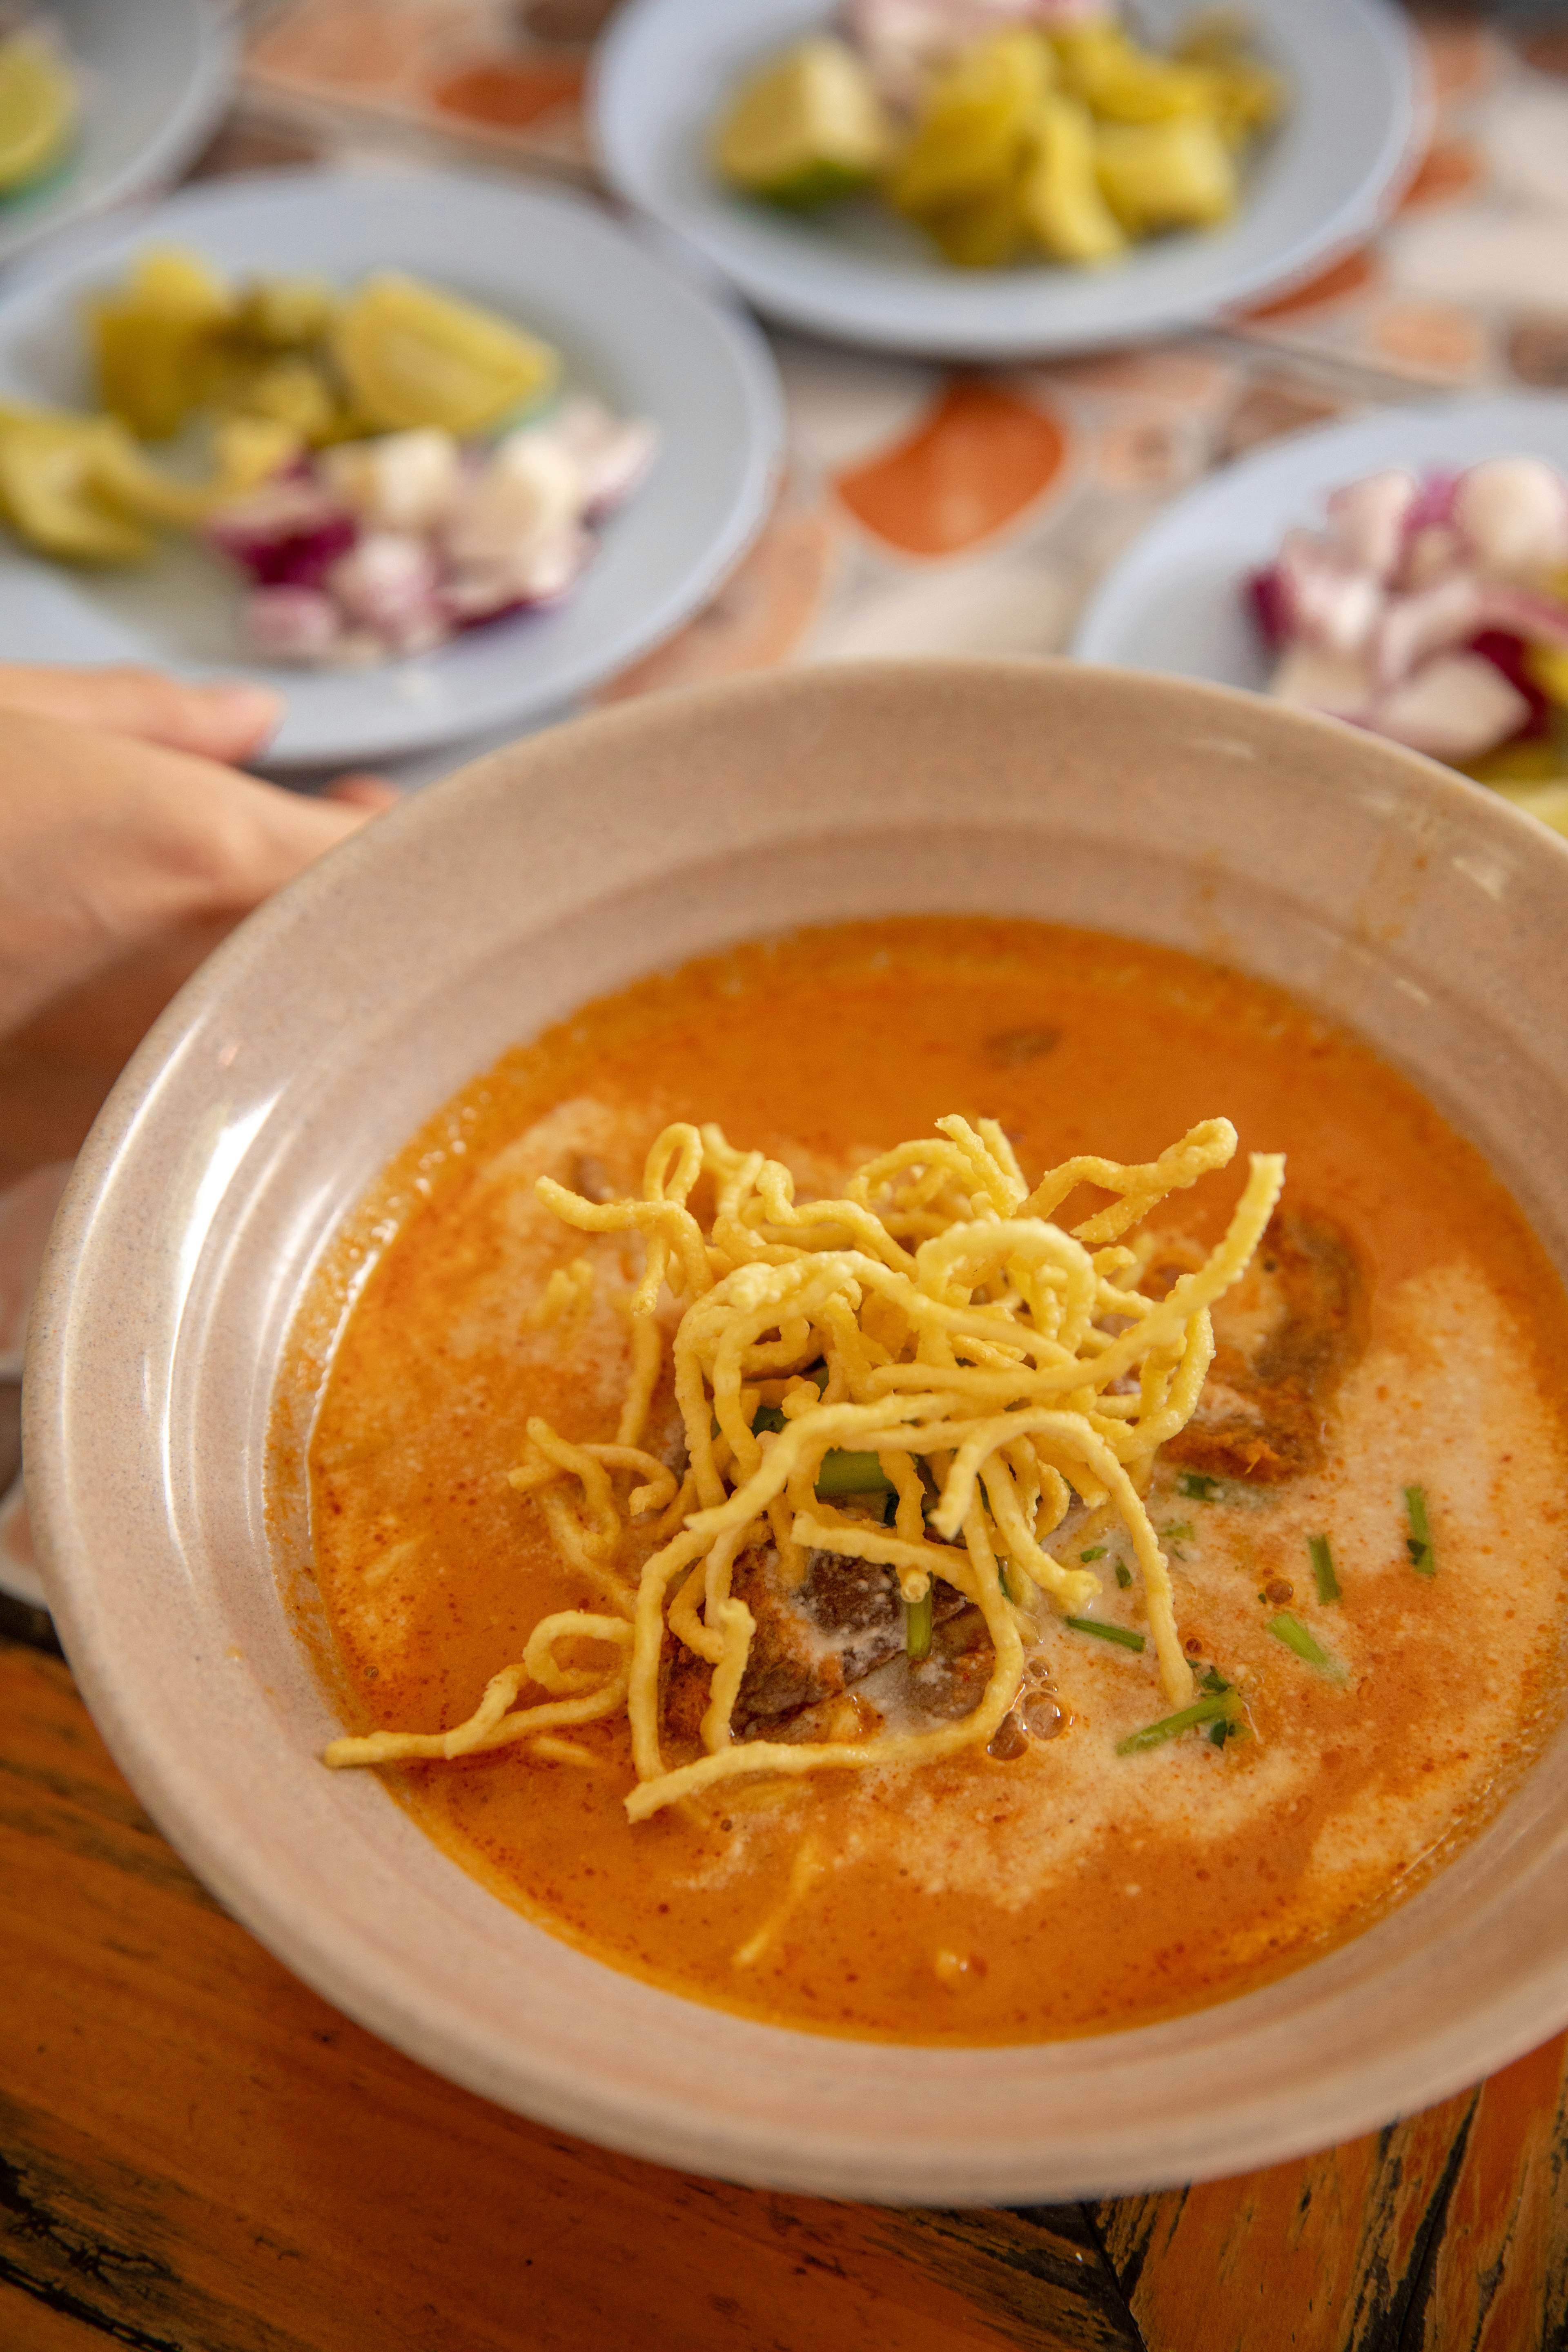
412 356
807 127
49 492
973 130
37 110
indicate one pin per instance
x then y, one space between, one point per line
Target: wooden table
197 2155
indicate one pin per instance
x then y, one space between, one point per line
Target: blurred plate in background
1176 600
152 77
860 275
630 330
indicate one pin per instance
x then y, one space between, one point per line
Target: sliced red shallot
903 43
1433 550
1527 611
390 583
392 545
1416 610
1323 598
1446 613
290 624
530 492
287 535
1368 519
612 453
538 573
402 482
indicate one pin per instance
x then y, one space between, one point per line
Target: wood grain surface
197 2155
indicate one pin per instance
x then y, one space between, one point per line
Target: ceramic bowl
1390 893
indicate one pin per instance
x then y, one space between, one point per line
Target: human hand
232 722
108 842
227 723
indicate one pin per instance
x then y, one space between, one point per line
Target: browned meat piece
1009 1049
951 1681
1285 1338
592 1178
842 1621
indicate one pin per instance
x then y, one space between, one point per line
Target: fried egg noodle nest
959 1327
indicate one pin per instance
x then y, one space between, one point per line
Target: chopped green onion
1121 1634
1224 1729
770 1416
1418 1542
1124 1575
1096 1551
852 1473
916 1627
1197 1485
1179 1532
1323 1568
1213 1682
1225 1708
1006 1581
1308 1648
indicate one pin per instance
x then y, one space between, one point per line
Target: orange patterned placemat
1467 284
503 78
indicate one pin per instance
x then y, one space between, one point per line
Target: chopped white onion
1313 678
290 624
1457 706
1325 599
1446 613
402 482
390 583
1513 512
1367 520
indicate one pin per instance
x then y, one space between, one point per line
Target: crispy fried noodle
934 1317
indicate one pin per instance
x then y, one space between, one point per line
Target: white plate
631 331
667 66
1175 601
155 76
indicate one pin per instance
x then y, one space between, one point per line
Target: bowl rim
1496 2027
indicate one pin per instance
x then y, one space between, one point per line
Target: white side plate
631 331
858 275
1177 601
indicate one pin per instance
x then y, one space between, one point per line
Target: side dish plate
152 83
1394 894
631 331
1321 184
1177 601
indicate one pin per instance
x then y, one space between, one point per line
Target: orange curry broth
838 1040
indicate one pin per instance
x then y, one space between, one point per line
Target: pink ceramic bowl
1388 892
